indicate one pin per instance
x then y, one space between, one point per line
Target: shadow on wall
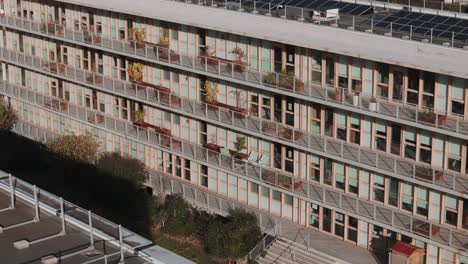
116 199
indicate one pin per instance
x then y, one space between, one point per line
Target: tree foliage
81 148
123 167
234 237
8 117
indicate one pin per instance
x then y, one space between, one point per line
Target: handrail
276 82
262 245
365 210
306 141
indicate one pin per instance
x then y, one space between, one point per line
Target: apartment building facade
367 146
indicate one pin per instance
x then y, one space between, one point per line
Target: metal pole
122 259
62 216
36 204
91 230
453 37
12 192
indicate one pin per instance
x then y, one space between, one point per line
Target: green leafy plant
8 116
211 90
270 78
239 53
123 167
81 148
140 115
135 71
163 41
240 144
137 34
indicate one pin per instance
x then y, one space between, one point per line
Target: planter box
164 55
338 96
241 111
154 86
236 155
431 118
56 105
426 173
288 136
56 67
213 147
162 131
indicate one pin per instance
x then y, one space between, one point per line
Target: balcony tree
81 148
8 117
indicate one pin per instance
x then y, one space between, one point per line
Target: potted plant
427 116
287 133
356 99
373 104
268 176
270 79
135 71
138 36
140 116
239 65
210 59
211 91
240 145
338 95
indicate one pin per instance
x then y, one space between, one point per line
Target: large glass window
379 188
451 210
413 86
314 215
407 198
339 224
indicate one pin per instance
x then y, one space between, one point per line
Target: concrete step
275 258
299 256
262 260
302 249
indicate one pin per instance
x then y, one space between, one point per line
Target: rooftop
34 230
368 35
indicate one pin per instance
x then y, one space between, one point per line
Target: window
421 201
382 80
187 174
407 197
379 188
341 125
398 85
327 219
314 168
314 215
317 67
327 177
413 86
343 72
458 96
454 155
204 175
314 118
381 135
254 103
425 150
428 89
355 132
352 228
465 214
353 184
451 210
339 224
393 193
410 143
356 75
340 176
254 188
289 160
289 111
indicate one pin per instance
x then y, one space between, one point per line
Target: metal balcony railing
353 154
314 192
285 84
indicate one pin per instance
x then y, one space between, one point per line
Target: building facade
318 125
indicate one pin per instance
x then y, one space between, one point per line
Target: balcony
345 203
348 153
273 82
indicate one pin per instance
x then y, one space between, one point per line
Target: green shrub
235 236
123 166
178 216
8 117
81 148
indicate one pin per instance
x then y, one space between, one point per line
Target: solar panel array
424 24
318 5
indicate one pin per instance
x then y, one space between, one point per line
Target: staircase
289 252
